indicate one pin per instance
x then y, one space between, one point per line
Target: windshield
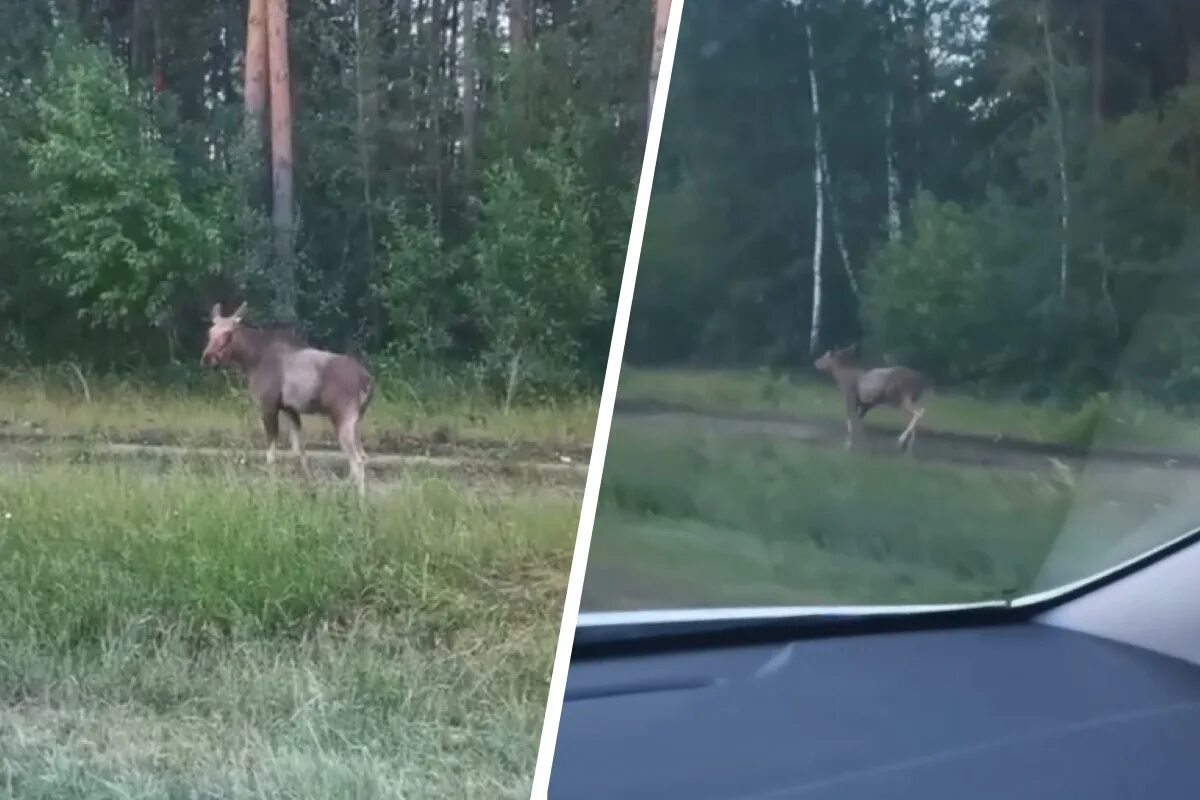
915 317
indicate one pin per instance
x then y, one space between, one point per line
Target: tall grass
714 519
1111 420
214 408
197 634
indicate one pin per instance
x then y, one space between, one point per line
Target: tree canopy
464 177
1008 191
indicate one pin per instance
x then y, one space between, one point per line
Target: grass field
690 515
218 411
202 630
1115 421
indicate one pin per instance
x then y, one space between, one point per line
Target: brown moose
862 389
286 376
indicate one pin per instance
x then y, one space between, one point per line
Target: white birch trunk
889 154
814 335
662 11
836 219
827 181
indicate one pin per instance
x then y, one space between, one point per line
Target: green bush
115 234
537 287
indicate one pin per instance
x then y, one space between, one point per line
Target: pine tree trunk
518 25
282 216
434 56
135 44
1098 47
814 336
487 56
470 70
255 92
365 33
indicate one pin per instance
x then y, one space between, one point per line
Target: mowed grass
219 412
689 517
191 633
1112 421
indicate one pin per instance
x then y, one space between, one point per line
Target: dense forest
1005 193
461 179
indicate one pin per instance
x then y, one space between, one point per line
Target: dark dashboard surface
1013 711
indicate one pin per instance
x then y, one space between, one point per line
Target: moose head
832 359
220 335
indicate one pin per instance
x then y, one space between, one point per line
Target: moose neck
846 375
249 345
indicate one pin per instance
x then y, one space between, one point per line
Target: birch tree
892 176
814 334
662 12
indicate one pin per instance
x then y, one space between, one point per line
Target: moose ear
216 312
241 312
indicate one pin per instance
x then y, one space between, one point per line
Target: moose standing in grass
862 389
286 376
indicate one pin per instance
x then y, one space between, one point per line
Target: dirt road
477 464
931 445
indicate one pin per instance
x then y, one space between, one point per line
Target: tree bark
470 70
1057 124
255 92
365 36
827 189
924 79
662 12
814 335
487 59
836 220
518 25
889 143
282 216
1098 47
434 55
135 48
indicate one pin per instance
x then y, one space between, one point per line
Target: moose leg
347 438
362 454
296 433
910 433
852 409
270 420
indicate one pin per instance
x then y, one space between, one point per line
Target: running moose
286 376
862 389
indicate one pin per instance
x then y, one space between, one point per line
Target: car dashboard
1021 710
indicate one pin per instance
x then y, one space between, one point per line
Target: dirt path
383 443
385 469
931 445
